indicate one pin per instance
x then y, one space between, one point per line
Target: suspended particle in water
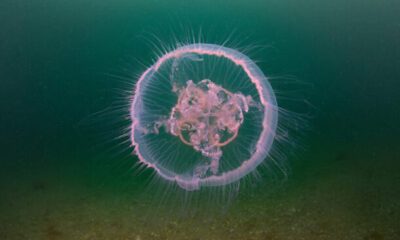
203 115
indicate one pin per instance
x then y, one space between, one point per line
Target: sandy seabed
329 201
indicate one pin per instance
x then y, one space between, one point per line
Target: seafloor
353 193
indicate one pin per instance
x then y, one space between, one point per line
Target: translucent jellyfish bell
203 115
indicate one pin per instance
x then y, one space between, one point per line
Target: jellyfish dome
203 115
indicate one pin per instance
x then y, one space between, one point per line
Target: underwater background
65 68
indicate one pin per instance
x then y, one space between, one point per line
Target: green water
65 64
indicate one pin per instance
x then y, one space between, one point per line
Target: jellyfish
203 115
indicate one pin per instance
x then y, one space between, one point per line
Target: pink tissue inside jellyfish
207 117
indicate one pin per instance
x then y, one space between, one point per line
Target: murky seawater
66 68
